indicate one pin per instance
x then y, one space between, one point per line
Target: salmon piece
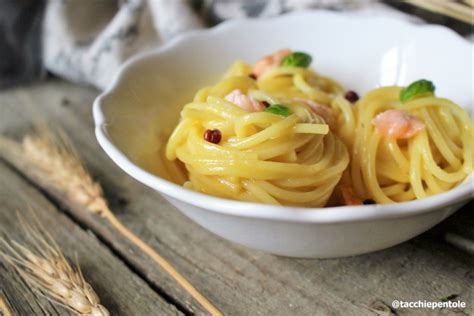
321 110
397 124
349 196
245 102
270 61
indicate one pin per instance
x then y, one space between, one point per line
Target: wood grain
238 280
122 292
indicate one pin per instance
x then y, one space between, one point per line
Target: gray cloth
86 41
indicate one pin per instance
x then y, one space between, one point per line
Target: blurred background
85 41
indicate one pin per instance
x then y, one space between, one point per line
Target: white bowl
362 53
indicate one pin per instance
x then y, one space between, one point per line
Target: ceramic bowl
142 104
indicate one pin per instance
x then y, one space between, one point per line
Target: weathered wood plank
238 280
122 292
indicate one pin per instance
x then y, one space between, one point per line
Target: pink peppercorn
213 136
351 96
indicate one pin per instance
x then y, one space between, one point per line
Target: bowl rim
338 214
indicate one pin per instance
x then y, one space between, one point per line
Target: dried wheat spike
56 157
43 266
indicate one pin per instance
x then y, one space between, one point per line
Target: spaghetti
267 156
433 160
280 133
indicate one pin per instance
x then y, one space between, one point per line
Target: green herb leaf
297 59
278 109
416 88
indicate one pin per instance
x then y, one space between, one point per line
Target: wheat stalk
5 309
55 157
43 266
469 2
450 8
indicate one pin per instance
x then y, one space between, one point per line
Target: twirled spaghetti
432 161
262 157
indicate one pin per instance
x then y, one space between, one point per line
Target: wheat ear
43 266
55 156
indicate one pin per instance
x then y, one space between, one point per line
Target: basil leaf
278 109
297 59
416 88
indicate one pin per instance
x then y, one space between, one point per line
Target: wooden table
239 281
